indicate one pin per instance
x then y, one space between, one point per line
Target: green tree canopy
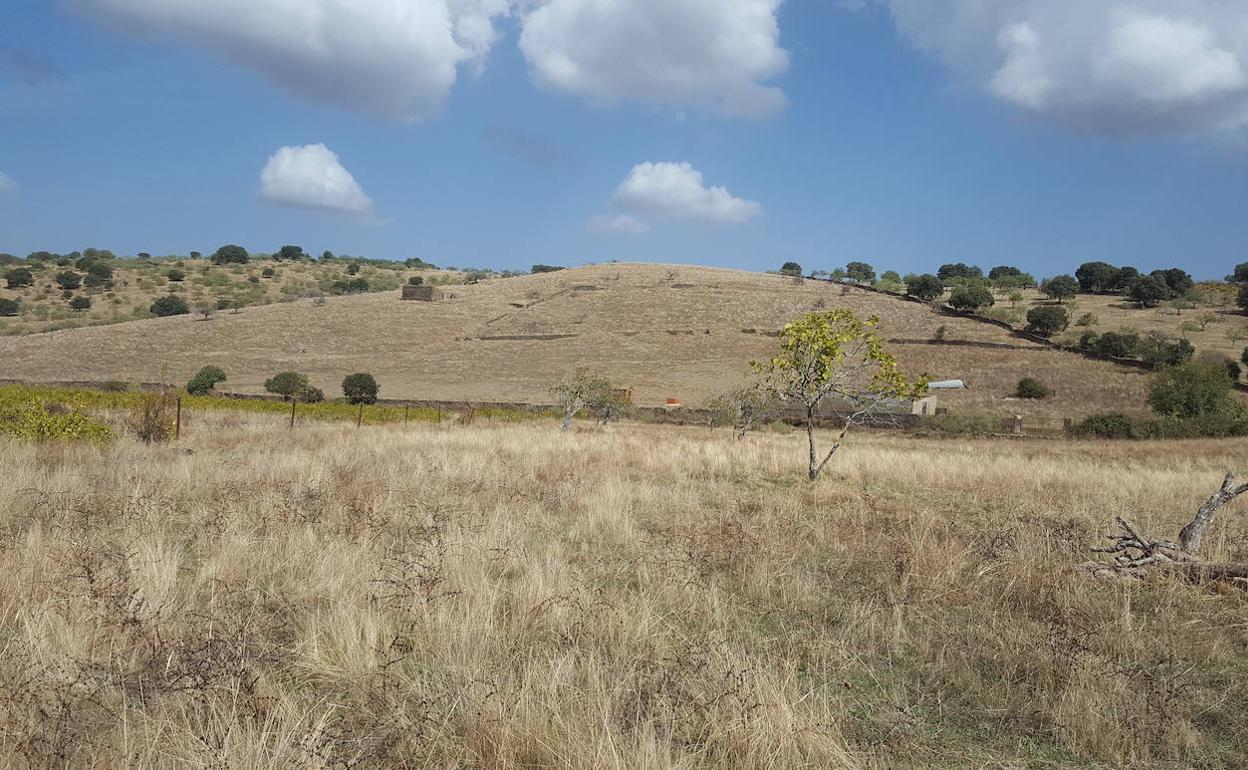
926 287
1060 287
231 254
360 388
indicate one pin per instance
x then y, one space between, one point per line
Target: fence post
359 418
405 414
177 424
293 402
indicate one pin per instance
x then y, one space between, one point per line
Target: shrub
152 417
536 270
1060 288
415 280
80 303
1193 391
68 279
231 255
1032 388
1087 319
19 277
268 272
169 306
959 271
360 388
313 395
289 385
791 269
177 276
9 307
33 419
1110 426
968 299
205 380
1159 352
925 287
1047 320
860 272
99 275
1116 344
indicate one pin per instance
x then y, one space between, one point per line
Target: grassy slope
138 282
638 598
683 332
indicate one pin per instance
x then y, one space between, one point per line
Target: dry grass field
498 596
668 331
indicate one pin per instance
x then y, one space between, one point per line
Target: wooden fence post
293 402
405 414
177 424
359 418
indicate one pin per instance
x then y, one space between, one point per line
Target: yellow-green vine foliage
27 413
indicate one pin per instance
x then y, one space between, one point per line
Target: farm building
422 294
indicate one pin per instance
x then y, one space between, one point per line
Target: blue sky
900 138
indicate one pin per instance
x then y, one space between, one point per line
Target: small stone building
422 294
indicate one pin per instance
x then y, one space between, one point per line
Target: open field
137 283
509 596
669 332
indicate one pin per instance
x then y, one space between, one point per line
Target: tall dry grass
509 596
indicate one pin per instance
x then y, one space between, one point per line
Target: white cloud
713 54
395 58
7 185
676 191
312 177
1128 68
618 223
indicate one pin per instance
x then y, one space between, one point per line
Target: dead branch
1134 554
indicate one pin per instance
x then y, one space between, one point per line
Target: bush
152 418
289 385
313 395
860 272
68 279
963 423
1032 388
1116 344
231 255
177 276
169 306
1191 391
268 272
968 299
1148 291
9 307
99 275
925 287
415 280
360 388
1047 320
540 269
1110 426
1159 352
205 380
791 269
19 277
80 303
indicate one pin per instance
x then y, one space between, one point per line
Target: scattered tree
9 307
536 269
18 278
1160 352
744 409
970 299
1148 291
415 280
834 356
1047 320
1177 281
360 388
205 380
581 391
290 253
1116 344
925 287
1060 288
860 272
791 269
958 272
206 309
1097 277
290 385
1031 388
231 254
80 303
1191 390
69 280
169 306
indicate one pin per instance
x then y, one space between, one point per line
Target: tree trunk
810 438
567 420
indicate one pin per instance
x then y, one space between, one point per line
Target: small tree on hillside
1060 288
970 299
860 272
581 391
791 269
205 380
9 307
80 303
925 287
834 356
1191 391
18 278
69 280
360 388
289 385
1047 320
169 306
231 254
1148 290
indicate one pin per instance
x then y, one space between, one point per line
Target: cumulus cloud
312 177
713 54
618 223
676 191
395 58
1131 68
7 185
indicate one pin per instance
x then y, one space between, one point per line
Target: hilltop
667 331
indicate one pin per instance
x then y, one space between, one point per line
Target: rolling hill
668 331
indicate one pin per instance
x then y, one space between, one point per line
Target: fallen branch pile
1135 555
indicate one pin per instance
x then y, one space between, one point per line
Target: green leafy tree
958 272
1148 290
99 274
169 306
891 276
19 277
1116 344
205 380
969 299
360 388
80 303
1123 278
926 287
537 269
1097 277
744 409
834 356
860 272
1240 275
1159 352
230 254
1060 288
289 385
290 254
1192 390
1177 281
69 280
791 269
1047 320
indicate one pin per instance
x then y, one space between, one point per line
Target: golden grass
508 596
669 332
